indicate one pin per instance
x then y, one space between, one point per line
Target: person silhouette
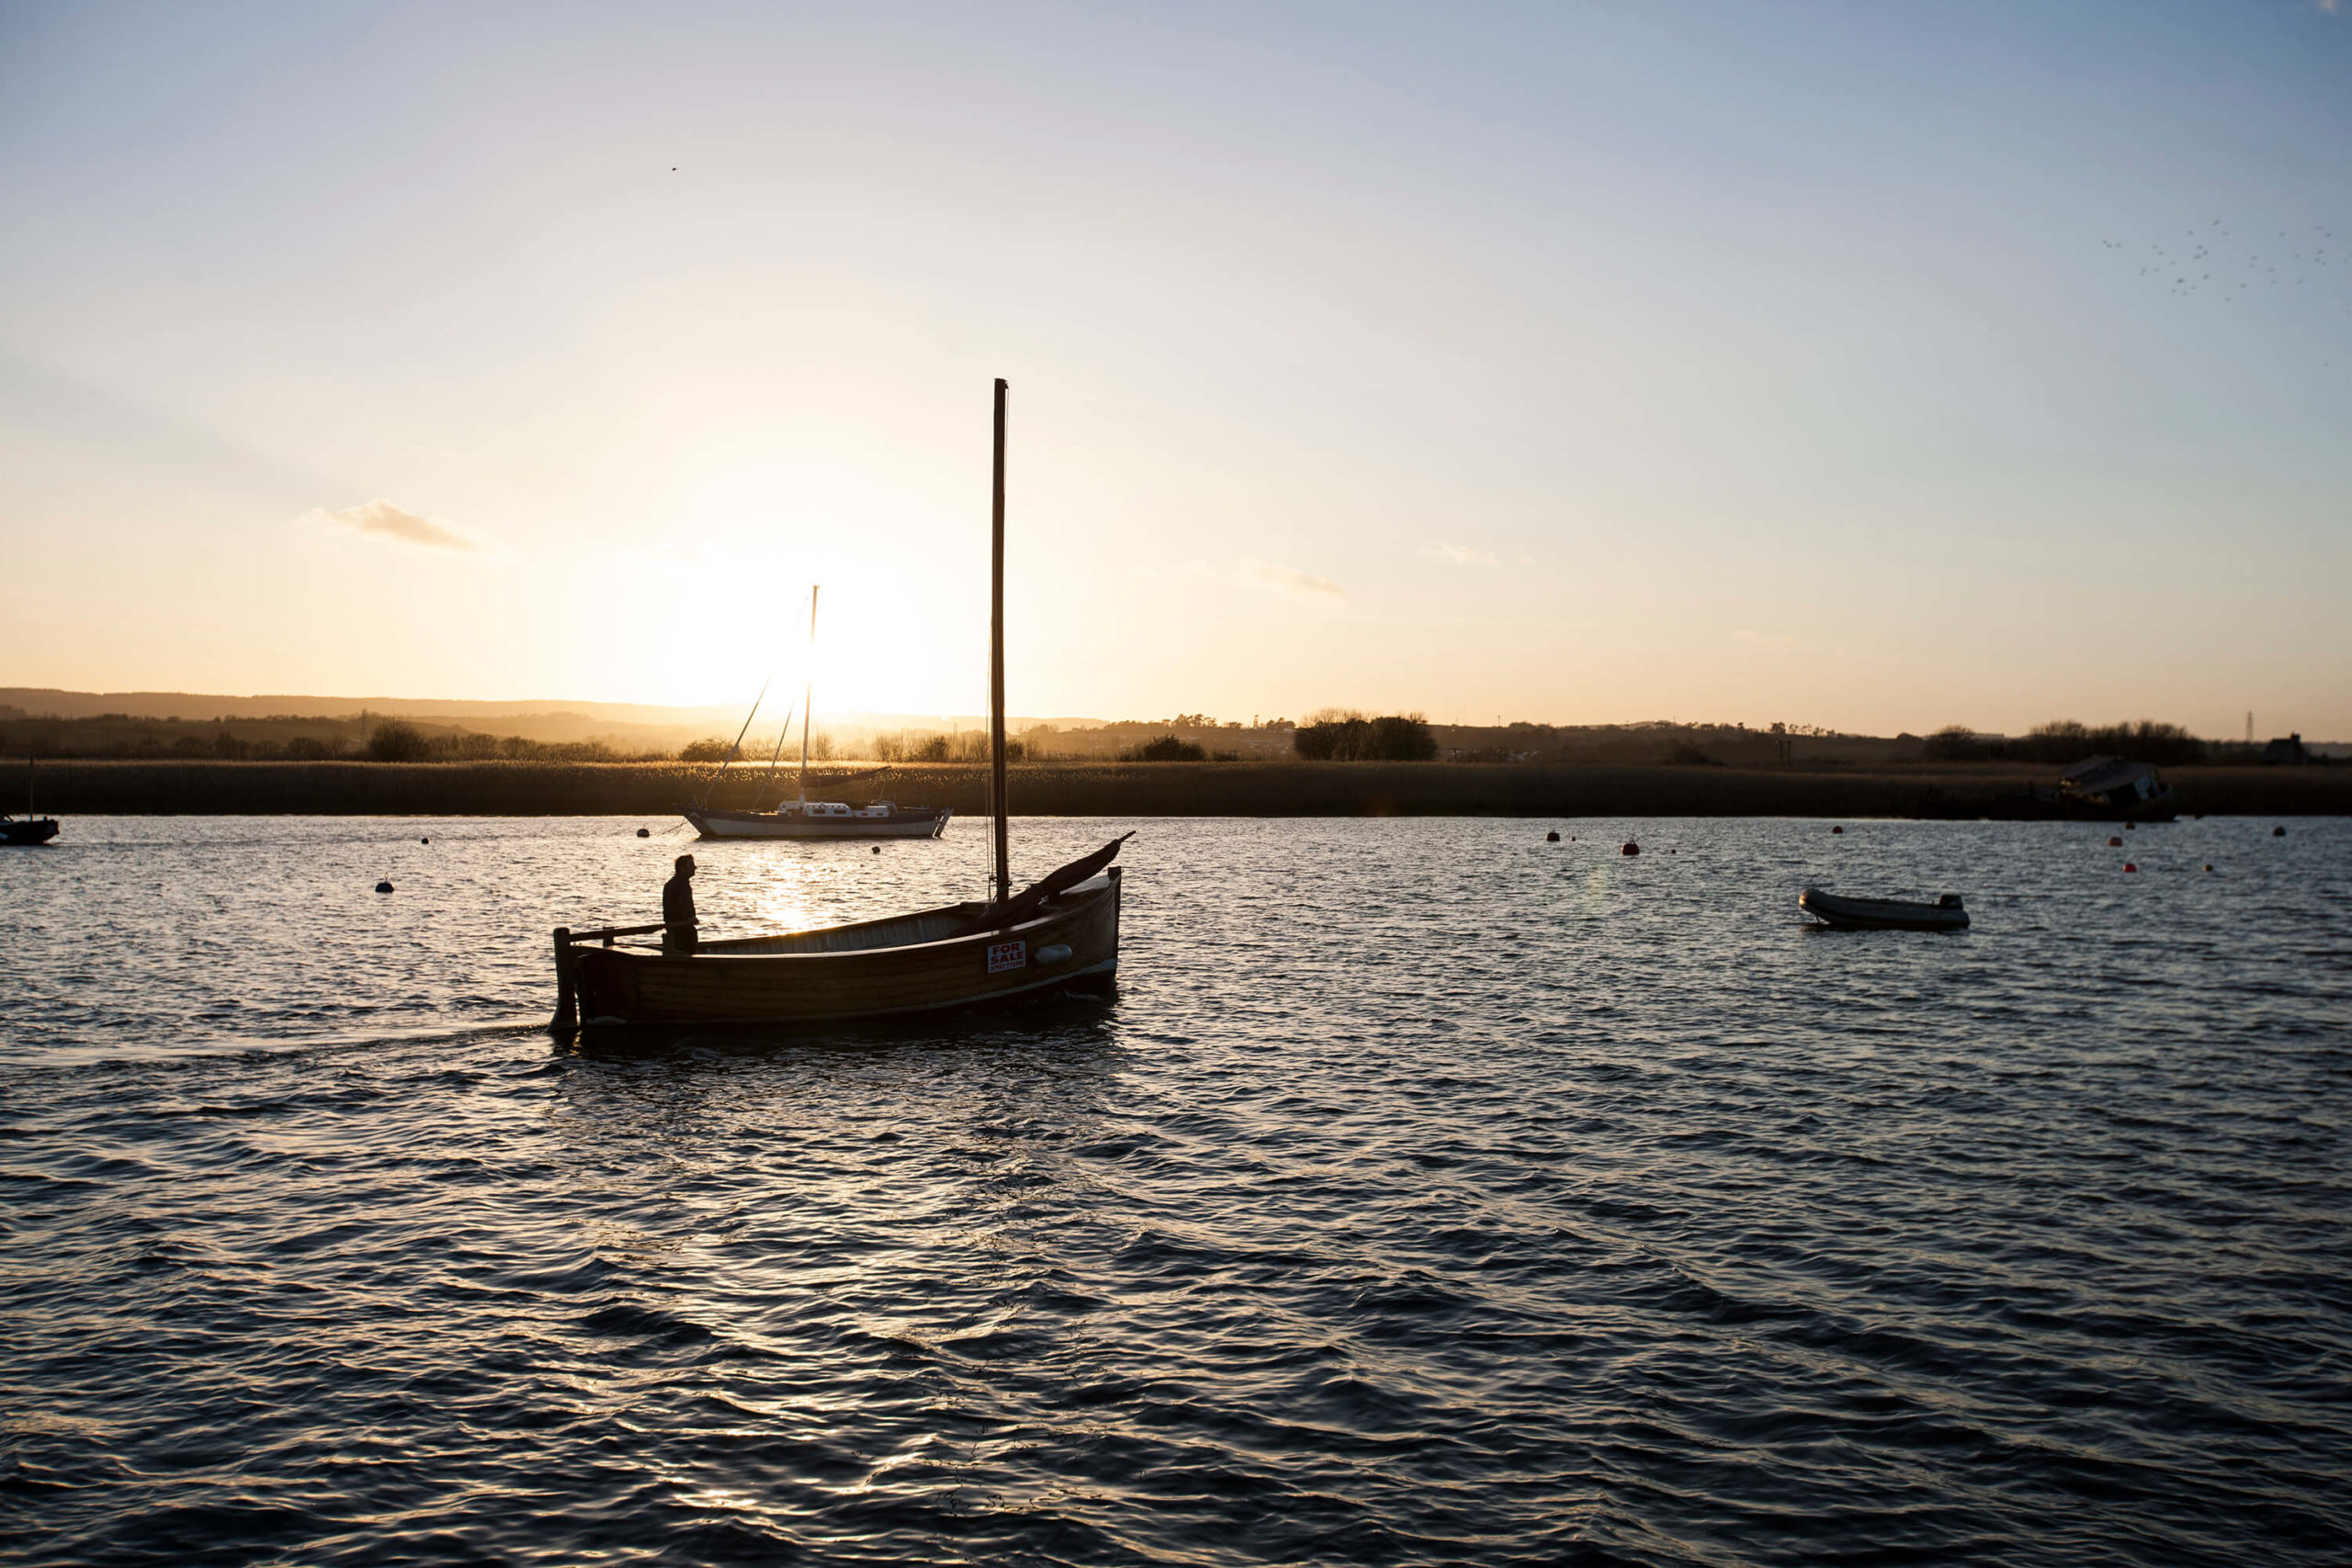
678 921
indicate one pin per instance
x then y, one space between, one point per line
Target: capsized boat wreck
2097 789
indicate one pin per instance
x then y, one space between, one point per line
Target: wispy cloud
395 523
1460 555
1288 580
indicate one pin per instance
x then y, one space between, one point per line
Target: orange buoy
1632 848
1836 830
2129 866
2113 842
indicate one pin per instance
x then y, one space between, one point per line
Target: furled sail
1027 902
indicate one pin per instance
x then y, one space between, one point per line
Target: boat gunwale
703 950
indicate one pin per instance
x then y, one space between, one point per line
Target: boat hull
2036 806
871 970
919 822
27 831
1879 914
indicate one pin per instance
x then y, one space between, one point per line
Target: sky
1875 367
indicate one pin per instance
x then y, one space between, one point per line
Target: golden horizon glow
1385 368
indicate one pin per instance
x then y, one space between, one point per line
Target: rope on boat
735 749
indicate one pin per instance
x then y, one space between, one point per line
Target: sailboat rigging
802 818
1063 928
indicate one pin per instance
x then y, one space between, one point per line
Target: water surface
1427 1193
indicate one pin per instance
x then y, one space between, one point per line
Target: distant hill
628 725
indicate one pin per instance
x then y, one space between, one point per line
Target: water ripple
1427 1194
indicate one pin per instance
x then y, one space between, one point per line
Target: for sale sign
1006 956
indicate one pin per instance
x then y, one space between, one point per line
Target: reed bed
1137 789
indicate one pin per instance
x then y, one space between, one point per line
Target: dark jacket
678 909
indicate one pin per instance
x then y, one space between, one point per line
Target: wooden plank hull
911 963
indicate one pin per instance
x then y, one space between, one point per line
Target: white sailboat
806 818
1060 933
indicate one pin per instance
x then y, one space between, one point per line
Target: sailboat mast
807 687
996 659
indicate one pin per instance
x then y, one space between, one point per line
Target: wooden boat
1063 928
948 957
27 828
1946 914
803 818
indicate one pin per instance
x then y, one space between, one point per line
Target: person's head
686 865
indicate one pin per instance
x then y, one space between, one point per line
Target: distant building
2287 753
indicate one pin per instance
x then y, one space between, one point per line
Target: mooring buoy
1836 830
2129 866
2113 842
383 887
2278 832
1630 848
1551 837
645 832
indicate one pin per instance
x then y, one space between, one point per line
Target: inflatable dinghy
1946 914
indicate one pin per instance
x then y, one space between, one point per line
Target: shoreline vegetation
1330 735
1332 762
198 786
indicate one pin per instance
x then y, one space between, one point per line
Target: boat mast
808 685
995 659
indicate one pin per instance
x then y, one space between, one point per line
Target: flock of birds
2210 262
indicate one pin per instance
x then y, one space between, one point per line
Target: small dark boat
1946 914
27 828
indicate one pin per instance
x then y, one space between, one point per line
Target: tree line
2068 740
